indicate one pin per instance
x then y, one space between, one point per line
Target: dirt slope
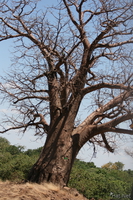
28 191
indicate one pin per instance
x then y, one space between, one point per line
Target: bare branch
107 146
70 14
31 97
120 130
106 85
115 44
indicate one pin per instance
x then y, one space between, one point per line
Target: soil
29 191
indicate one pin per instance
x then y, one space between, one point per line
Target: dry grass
29 191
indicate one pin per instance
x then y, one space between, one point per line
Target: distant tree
4 143
84 165
13 150
116 165
108 166
82 51
91 165
119 165
31 152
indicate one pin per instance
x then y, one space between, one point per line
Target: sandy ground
28 191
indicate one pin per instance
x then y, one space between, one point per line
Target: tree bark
57 157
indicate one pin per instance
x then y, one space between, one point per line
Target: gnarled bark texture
57 157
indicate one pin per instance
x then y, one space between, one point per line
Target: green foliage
84 165
130 172
132 192
33 152
119 165
15 150
91 182
100 182
4 143
14 162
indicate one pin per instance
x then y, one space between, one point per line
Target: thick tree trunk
60 149
57 157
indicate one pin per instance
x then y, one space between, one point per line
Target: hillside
27 191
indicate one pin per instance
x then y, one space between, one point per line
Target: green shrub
14 162
100 183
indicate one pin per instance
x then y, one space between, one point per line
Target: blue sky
29 141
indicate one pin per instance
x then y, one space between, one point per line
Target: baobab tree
72 52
